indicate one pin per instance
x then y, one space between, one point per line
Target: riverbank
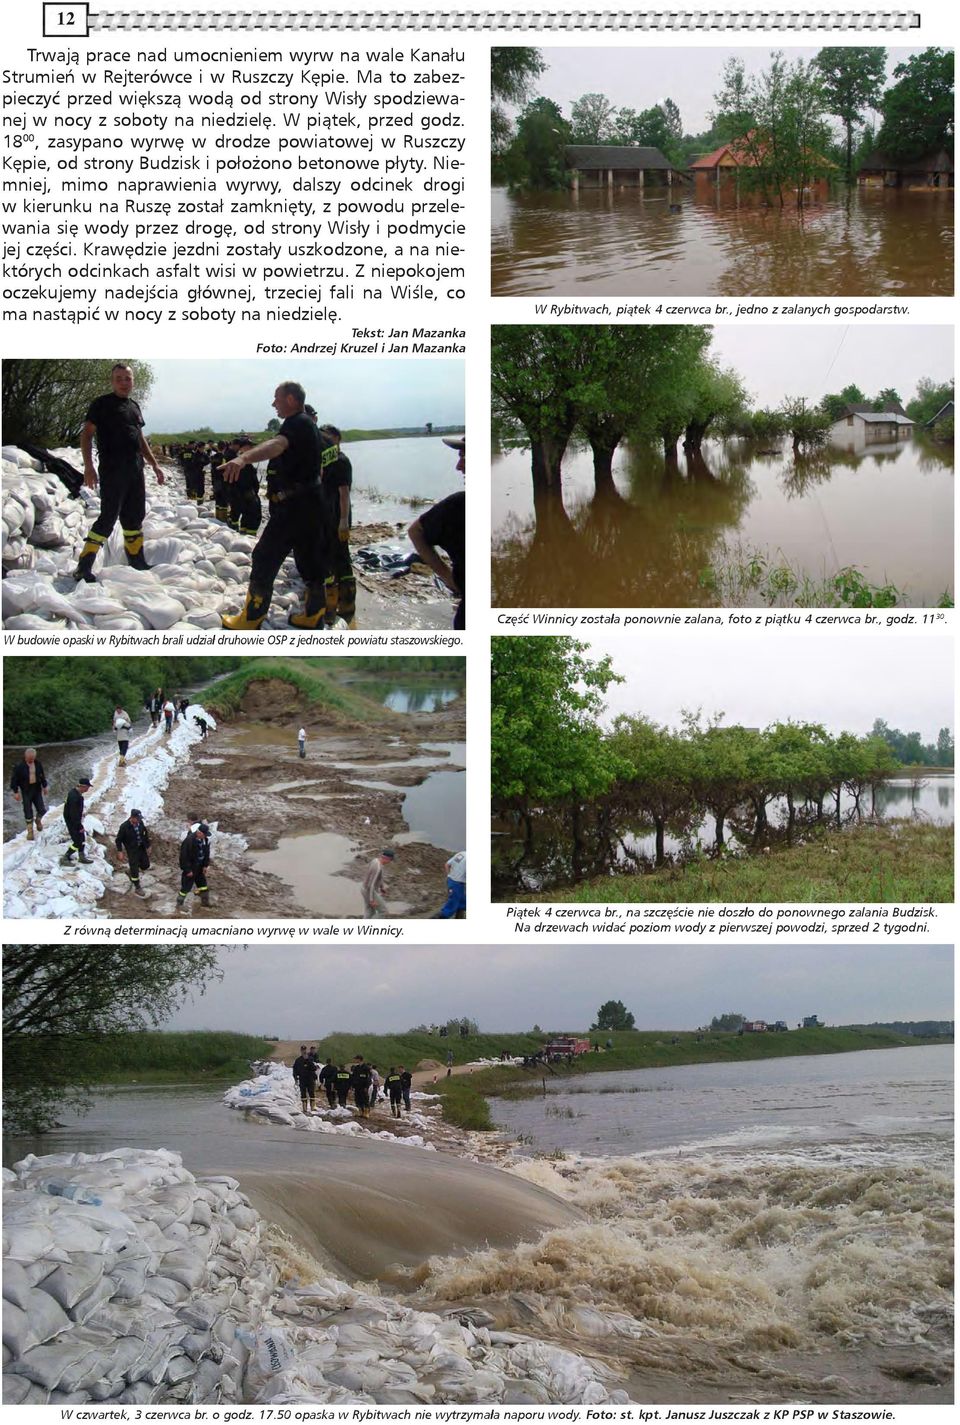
875 863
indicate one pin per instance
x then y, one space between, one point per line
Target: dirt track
248 779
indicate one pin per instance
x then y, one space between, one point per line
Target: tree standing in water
853 81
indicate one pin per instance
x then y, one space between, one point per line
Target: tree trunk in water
837 794
718 838
760 820
670 451
603 466
820 807
660 855
577 841
545 460
791 817
693 436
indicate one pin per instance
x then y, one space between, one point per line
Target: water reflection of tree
929 455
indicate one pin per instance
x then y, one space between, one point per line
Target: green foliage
59 699
156 1057
535 158
306 676
45 401
546 697
752 576
909 748
592 120
513 70
727 1023
853 79
834 406
64 1012
613 1014
931 397
918 109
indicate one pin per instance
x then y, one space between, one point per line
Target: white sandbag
17 1390
27 523
167 551
91 599
29 593
44 1319
50 532
16 1286
228 571
203 618
28 621
116 621
74 1279
156 608
270 1353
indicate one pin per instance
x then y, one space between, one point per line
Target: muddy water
393 479
311 864
893 1103
436 810
411 697
782 1229
542 855
63 763
874 243
651 541
359 1206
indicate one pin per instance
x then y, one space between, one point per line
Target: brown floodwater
865 243
687 538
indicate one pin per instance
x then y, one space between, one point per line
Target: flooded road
870 243
693 536
540 855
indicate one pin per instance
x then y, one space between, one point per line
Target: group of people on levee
308 485
363 1080
28 783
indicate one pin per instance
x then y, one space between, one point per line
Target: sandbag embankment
126 1279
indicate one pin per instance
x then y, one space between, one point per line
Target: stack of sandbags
125 1279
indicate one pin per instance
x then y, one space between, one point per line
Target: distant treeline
59 699
184 437
918 1028
448 667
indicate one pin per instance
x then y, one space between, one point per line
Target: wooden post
669 177
610 179
576 180
640 178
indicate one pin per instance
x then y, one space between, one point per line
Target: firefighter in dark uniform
73 816
133 843
116 421
28 784
394 1088
305 1073
336 479
297 522
217 458
218 488
245 511
328 1078
194 860
343 1085
360 1080
406 1083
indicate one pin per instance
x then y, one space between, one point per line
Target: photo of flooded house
619 166
862 426
929 170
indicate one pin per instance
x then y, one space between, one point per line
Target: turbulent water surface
689 537
628 244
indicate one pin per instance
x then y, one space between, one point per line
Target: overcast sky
638 76
777 363
308 991
843 681
364 394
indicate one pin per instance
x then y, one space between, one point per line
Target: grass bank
466 1099
154 1057
891 861
319 691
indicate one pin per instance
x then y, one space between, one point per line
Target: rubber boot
39 824
205 898
347 602
251 615
123 761
67 858
181 905
91 548
30 835
314 608
222 513
133 548
84 859
139 891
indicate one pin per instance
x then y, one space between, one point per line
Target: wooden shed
618 166
929 171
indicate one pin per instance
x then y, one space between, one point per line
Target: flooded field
688 537
392 479
622 244
539 853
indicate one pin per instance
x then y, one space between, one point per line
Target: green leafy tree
931 397
546 742
655 774
535 158
945 749
592 119
614 1015
63 1010
535 378
727 1023
45 401
889 396
835 406
513 71
718 395
853 80
918 110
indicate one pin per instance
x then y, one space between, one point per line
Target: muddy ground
247 778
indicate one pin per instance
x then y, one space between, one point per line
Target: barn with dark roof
618 166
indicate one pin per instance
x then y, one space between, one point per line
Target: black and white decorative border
503 20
